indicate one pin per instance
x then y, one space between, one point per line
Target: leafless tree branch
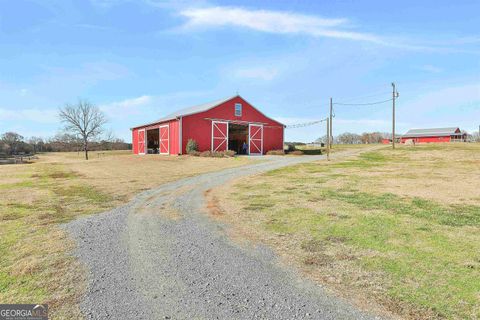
83 119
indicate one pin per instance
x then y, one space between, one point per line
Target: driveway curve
144 263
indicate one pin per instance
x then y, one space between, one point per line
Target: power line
364 96
305 124
362 104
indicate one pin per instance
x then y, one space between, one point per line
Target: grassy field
36 198
397 232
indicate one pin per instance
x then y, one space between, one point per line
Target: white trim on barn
138 140
160 139
255 141
224 135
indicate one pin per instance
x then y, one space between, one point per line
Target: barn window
238 109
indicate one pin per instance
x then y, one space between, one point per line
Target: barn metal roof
432 132
188 111
191 110
194 109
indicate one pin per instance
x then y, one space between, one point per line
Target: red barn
216 126
453 134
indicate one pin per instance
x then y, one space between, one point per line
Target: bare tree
35 142
13 140
108 140
349 138
84 119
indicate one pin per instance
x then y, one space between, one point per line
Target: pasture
394 231
36 198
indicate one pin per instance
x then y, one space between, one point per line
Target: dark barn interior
237 136
153 140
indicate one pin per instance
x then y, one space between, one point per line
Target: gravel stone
145 266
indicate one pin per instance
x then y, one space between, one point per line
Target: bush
276 153
192 146
194 153
296 153
205 154
216 154
290 147
229 153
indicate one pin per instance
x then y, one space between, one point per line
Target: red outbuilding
452 134
226 124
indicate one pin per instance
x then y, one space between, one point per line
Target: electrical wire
364 96
361 104
305 124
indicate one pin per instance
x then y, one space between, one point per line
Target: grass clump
387 225
35 265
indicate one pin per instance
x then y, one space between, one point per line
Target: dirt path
161 257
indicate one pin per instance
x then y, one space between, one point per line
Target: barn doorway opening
237 136
153 141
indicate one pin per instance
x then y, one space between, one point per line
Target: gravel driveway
144 264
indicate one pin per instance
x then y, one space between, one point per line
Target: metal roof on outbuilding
187 111
432 132
192 110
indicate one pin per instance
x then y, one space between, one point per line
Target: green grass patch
455 215
33 264
424 254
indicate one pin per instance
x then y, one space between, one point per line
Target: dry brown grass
441 173
351 224
125 174
35 264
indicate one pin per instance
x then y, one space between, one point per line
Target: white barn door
219 136
255 139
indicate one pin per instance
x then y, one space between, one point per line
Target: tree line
83 130
12 143
354 138
371 138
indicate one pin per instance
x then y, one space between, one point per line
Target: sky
140 60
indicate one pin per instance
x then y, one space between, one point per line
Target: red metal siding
174 136
427 139
272 138
135 141
199 127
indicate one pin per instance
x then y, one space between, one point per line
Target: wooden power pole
394 95
331 124
328 139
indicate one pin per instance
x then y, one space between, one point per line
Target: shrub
216 154
229 153
192 146
296 153
276 153
291 148
205 154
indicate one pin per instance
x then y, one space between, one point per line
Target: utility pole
328 139
394 96
331 124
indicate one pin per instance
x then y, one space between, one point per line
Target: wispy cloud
257 73
280 22
273 22
37 115
457 97
430 68
126 107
